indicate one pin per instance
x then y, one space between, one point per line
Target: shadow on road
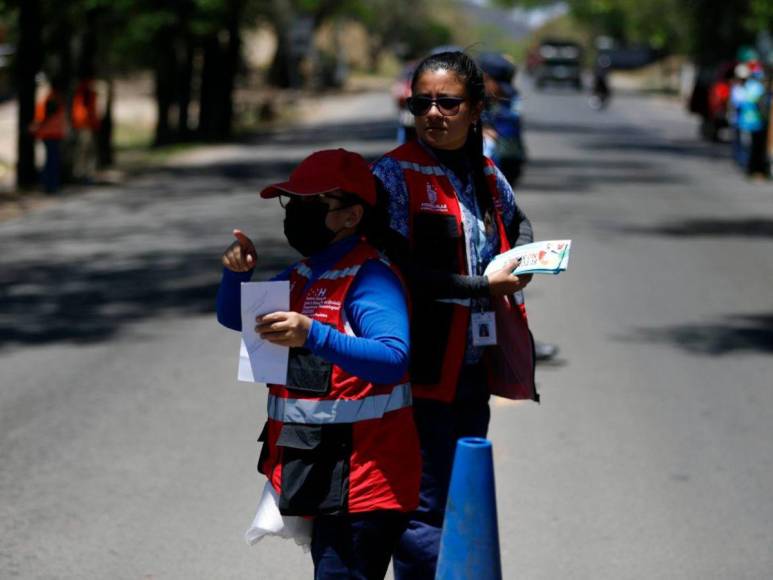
586 175
682 148
603 129
641 157
83 301
326 135
731 335
147 250
253 174
751 227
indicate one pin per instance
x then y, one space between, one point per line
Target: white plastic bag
269 522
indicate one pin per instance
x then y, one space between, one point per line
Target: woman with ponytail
451 211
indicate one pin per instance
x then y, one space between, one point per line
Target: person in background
501 117
601 91
451 211
50 126
503 138
340 444
748 101
85 124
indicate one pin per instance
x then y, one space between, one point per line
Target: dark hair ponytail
472 77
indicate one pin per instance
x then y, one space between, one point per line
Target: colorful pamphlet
550 257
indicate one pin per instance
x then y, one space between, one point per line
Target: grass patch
131 136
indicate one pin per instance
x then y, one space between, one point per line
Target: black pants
758 155
356 546
439 425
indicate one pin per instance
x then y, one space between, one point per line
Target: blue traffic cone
469 545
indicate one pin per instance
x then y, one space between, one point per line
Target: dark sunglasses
448 106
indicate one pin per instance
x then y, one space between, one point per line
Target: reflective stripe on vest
460 301
312 412
425 169
303 270
336 274
489 170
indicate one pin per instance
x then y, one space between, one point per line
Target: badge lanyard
484 326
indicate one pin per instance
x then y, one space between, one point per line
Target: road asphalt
128 447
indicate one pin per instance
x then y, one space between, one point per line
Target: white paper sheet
259 360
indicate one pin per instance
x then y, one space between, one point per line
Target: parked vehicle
715 121
559 62
710 98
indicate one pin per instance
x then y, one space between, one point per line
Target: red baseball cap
326 171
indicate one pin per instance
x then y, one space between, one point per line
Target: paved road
127 447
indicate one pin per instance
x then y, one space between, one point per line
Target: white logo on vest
314 299
431 204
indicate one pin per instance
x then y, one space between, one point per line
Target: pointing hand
240 255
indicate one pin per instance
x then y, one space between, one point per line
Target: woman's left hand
284 328
503 281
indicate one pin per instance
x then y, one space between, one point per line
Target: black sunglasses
448 106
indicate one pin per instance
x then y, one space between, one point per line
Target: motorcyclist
601 92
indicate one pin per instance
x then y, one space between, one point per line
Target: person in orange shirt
85 123
50 126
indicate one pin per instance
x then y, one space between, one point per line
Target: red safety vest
84 108
336 443
50 117
439 327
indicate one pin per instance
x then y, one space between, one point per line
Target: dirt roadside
295 108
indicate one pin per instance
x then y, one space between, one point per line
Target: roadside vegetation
213 64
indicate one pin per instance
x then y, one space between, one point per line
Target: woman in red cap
340 443
451 211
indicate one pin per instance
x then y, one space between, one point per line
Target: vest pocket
315 468
436 239
264 448
430 332
306 372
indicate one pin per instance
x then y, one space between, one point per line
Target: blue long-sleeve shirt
375 307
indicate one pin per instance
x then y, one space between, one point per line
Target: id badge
484 329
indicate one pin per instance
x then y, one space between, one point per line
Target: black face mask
305 227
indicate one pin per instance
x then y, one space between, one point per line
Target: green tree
28 60
708 30
405 27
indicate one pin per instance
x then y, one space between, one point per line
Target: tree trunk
165 70
28 61
185 84
718 30
211 78
184 48
87 69
86 65
284 67
62 75
105 133
231 62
